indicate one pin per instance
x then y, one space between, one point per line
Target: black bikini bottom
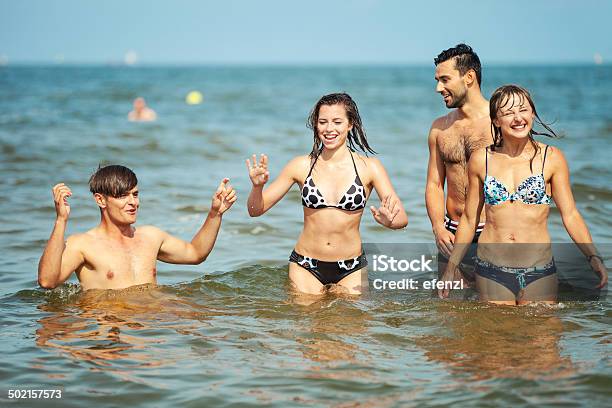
329 272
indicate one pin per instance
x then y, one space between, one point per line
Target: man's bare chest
457 143
121 262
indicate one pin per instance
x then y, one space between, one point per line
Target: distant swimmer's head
512 113
335 121
115 189
457 70
139 104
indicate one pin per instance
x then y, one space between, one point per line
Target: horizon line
119 64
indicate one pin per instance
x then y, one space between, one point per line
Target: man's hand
444 240
258 172
61 192
388 210
223 198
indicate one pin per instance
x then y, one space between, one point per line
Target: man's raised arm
177 251
59 259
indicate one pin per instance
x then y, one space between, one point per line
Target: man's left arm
176 251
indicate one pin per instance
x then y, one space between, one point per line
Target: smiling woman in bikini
514 179
335 183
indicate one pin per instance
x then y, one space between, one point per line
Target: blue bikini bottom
513 278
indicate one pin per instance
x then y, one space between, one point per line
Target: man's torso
117 264
457 140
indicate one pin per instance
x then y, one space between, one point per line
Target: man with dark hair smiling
115 254
452 138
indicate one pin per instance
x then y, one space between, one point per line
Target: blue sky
297 32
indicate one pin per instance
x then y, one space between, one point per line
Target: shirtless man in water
452 138
115 254
141 112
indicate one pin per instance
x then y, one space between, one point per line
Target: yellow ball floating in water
193 98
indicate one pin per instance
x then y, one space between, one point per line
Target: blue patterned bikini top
354 199
532 190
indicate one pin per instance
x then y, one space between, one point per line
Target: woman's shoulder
367 163
551 152
299 161
298 165
482 150
553 155
549 149
366 160
479 156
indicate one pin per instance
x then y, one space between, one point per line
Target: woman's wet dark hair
515 95
113 180
356 136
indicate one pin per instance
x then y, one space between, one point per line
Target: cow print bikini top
353 200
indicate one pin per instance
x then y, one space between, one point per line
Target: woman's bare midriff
516 234
330 234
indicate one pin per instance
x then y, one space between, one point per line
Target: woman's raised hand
386 213
258 172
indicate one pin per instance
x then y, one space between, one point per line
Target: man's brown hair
113 180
